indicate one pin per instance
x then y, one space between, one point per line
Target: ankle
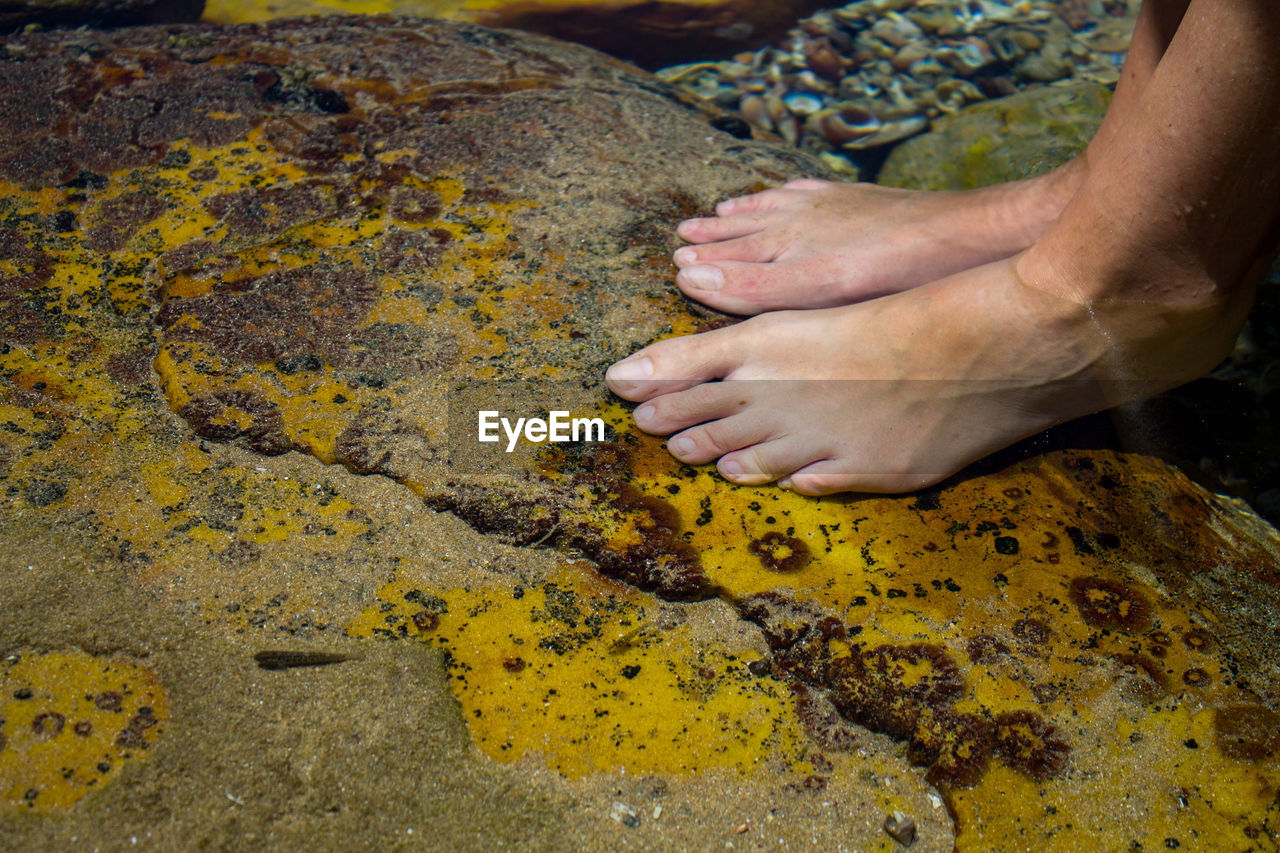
1019 213
1159 329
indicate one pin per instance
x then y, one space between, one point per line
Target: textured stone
254 292
992 142
648 33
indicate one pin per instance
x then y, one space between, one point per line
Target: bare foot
817 244
897 393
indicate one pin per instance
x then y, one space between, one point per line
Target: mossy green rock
1007 139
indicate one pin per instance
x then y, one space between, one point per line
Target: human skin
816 244
1139 283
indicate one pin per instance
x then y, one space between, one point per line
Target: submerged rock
992 142
650 34
256 289
849 82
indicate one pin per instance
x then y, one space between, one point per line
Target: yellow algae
587 674
236 12
1004 598
69 722
1169 789
1026 648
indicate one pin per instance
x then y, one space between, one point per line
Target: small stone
901 828
624 814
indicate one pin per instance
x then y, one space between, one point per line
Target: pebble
901 828
624 814
848 81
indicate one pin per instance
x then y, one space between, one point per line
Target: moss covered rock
992 142
256 287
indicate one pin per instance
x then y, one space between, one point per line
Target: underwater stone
649 34
1007 139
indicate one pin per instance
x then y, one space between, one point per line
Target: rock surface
1007 139
651 34
94 13
254 292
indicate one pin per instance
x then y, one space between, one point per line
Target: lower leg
817 244
1140 284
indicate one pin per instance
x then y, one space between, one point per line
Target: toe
675 364
738 288
752 249
885 475
672 412
712 440
767 461
817 479
767 199
714 228
807 184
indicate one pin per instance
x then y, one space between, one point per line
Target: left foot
818 244
897 393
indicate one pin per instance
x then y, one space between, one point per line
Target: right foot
818 244
894 394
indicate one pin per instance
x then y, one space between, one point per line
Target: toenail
630 369
644 414
730 467
684 256
681 446
785 483
703 277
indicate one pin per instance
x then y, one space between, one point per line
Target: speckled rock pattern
1007 139
651 33
255 288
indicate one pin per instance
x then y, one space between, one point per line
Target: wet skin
936 328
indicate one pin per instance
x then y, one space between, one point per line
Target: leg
1141 284
812 244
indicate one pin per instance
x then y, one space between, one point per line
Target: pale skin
908 334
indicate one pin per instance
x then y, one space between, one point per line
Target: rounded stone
1007 139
